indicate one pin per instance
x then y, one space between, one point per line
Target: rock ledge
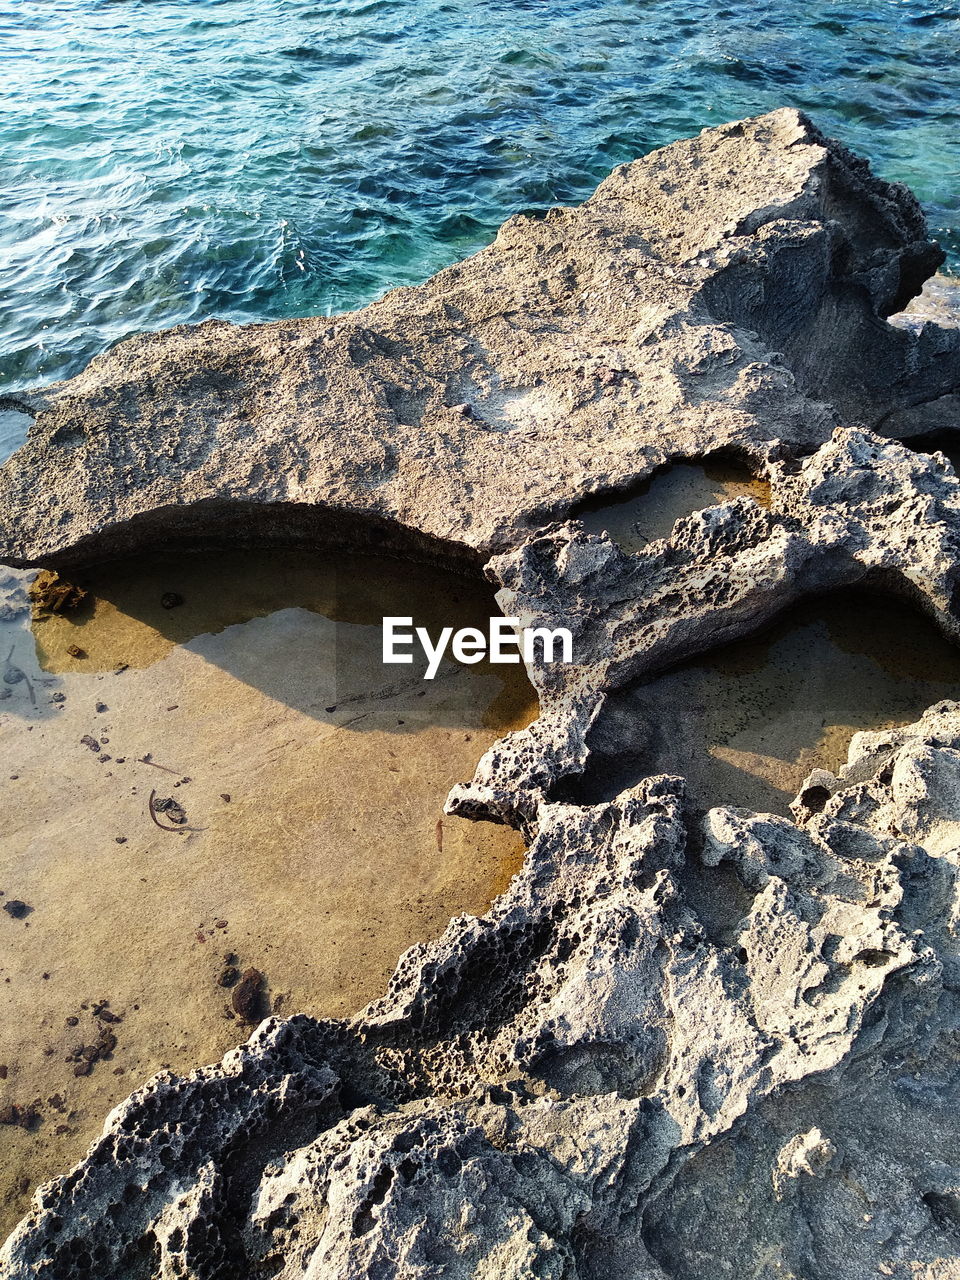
680 1044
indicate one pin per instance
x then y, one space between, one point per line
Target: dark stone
249 999
26 1117
172 811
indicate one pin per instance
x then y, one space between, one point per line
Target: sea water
166 161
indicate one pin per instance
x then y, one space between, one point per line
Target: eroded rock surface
727 290
632 1047
679 1044
861 511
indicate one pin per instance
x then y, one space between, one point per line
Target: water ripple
163 162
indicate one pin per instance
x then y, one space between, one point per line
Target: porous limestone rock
860 511
679 1044
609 1074
729 290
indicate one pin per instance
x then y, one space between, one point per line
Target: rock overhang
727 291
536 1086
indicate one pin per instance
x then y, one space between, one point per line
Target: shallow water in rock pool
746 723
654 507
312 779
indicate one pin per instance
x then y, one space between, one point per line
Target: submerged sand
314 847
652 509
748 722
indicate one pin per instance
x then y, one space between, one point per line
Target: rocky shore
685 1041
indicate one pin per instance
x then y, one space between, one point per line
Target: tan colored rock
677 1045
727 291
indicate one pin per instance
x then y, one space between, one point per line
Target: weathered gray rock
679 1044
861 511
726 291
585 1080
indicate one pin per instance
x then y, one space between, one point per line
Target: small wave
325 58
390 136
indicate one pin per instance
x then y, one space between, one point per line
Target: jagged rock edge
381 1069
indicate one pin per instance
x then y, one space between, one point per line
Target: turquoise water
170 160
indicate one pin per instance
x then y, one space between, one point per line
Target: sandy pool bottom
652 509
746 723
312 781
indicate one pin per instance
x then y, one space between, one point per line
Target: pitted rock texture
728 291
861 511
638 1064
680 1044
